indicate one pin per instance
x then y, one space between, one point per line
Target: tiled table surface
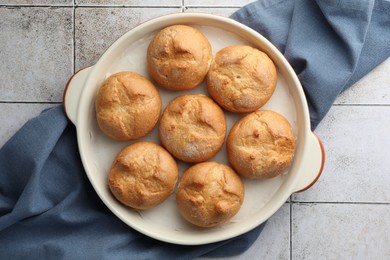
345 215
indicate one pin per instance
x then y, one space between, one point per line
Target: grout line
340 202
360 105
30 102
214 6
128 6
29 6
123 6
74 38
291 228
90 6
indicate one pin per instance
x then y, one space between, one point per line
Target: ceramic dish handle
72 93
313 162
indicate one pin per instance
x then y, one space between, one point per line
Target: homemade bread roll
143 175
209 194
179 57
261 145
121 103
192 128
241 78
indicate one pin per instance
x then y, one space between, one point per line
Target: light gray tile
238 3
38 2
340 231
226 12
98 28
374 88
36 52
20 114
356 141
129 2
273 242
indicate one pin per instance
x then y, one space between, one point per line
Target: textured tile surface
36 48
20 114
98 28
374 88
274 240
130 3
340 231
356 139
38 2
217 11
217 2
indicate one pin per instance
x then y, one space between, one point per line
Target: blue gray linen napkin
331 44
49 210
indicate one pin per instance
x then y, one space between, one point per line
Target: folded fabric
331 44
49 210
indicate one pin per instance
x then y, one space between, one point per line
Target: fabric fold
49 209
328 43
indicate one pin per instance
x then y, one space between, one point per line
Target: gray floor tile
98 28
374 88
237 3
38 2
274 240
217 11
340 231
129 2
356 141
20 114
36 48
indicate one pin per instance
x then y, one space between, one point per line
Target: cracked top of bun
209 194
261 145
192 128
143 175
121 103
179 57
241 78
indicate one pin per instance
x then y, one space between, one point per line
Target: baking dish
262 198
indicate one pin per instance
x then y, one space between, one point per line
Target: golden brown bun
241 78
179 57
209 194
143 175
121 104
261 145
193 128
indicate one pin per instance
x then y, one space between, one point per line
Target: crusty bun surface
192 128
209 194
121 103
241 78
179 57
261 145
143 175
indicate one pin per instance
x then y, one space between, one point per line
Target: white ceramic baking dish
262 198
